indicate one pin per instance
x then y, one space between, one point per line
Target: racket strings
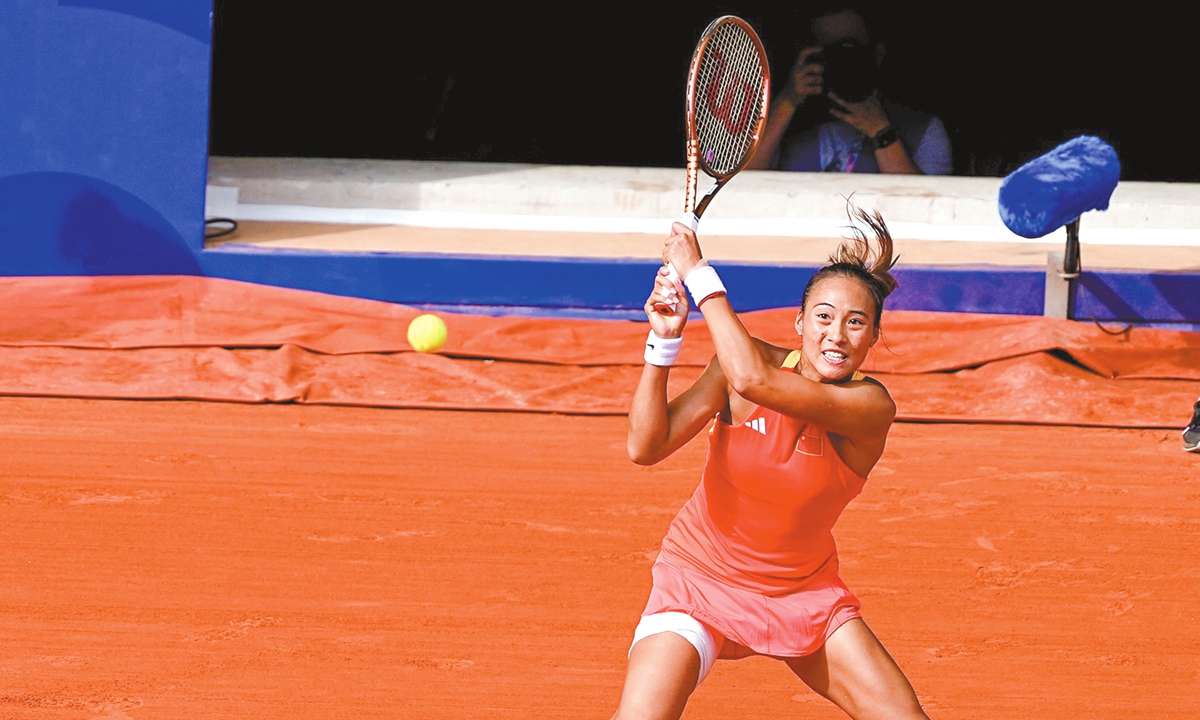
728 98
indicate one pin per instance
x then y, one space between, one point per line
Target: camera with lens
850 69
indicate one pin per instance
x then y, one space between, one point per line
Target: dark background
586 84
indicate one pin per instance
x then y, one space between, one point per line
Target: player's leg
1191 433
855 672
671 654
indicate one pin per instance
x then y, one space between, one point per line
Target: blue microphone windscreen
1052 190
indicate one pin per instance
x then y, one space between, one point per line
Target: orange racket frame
693 208
695 162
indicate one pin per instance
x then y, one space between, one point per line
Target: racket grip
692 221
665 308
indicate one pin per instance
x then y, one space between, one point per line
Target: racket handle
666 308
692 221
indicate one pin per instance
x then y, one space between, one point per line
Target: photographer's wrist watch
884 137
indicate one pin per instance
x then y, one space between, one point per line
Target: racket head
728 92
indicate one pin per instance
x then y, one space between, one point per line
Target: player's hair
866 258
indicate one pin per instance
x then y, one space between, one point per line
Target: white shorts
686 627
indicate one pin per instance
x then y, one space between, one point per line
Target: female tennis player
749 566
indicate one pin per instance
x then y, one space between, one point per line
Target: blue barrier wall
103 135
611 287
617 288
1139 297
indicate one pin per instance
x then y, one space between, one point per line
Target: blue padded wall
1139 297
103 135
599 286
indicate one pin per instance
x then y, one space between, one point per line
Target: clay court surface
200 559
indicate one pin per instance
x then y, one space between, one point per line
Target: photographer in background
847 125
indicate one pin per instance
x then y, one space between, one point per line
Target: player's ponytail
865 257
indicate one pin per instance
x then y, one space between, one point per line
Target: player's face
837 329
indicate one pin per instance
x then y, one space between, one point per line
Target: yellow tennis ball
427 333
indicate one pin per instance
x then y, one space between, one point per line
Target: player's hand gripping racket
727 93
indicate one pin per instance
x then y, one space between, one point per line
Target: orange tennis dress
752 553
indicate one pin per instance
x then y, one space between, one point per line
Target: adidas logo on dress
758 424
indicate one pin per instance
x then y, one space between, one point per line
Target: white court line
772 227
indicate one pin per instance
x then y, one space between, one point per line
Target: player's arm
657 428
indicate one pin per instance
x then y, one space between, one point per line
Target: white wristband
662 351
703 282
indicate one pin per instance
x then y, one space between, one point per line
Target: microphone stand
1071 265
1062 276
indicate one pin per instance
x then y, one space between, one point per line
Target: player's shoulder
773 354
862 380
862 377
876 388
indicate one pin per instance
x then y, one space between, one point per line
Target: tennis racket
727 93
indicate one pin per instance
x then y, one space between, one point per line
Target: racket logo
730 102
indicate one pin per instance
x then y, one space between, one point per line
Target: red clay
203 560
